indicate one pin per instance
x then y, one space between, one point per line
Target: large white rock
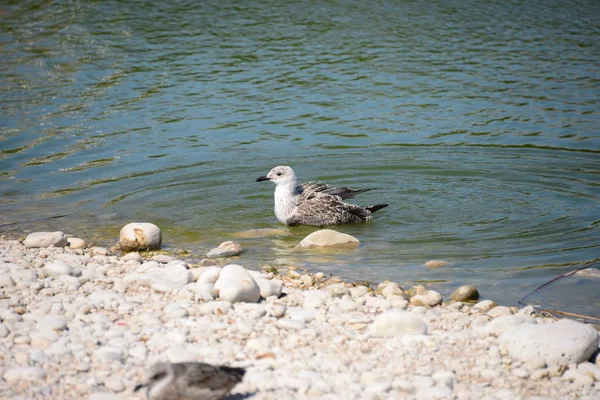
328 237
235 284
558 343
269 287
140 236
398 323
45 239
496 327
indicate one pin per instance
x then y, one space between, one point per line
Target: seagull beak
263 178
138 387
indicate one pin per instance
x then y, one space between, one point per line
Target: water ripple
478 122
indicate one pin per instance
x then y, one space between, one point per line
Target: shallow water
477 121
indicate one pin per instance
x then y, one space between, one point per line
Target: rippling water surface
477 120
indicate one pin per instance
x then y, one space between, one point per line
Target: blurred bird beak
138 387
263 178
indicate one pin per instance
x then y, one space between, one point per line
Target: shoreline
86 323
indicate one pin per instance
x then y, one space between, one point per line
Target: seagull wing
321 209
208 377
308 189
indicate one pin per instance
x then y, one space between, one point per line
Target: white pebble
3 331
225 249
269 287
520 372
115 384
209 275
20 374
291 324
57 268
398 323
276 310
109 353
314 298
235 284
499 311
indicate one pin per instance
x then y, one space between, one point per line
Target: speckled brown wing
310 189
321 209
205 381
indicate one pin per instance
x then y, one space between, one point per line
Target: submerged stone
328 237
225 249
465 293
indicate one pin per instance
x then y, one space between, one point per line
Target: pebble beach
86 322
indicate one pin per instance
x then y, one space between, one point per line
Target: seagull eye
158 376
279 174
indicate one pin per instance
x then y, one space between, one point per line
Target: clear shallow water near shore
477 121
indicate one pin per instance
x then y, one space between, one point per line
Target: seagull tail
235 373
376 207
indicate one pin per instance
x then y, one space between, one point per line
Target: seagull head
159 376
279 175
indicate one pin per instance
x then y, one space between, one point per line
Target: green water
478 122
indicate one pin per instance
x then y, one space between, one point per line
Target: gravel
84 323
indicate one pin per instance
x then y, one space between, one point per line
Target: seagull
314 203
190 381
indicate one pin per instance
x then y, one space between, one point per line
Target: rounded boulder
140 236
45 239
235 284
327 238
225 249
465 293
557 343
